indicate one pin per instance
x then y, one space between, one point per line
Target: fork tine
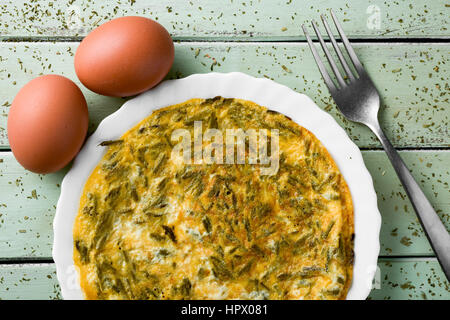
347 45
326 77
330 59
338 51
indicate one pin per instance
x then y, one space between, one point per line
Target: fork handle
435 230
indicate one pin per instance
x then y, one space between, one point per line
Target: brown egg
124 56
47 123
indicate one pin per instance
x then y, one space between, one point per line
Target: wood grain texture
410 279
413 80
28 201
395 279
229 19
27 207
401 232
29 281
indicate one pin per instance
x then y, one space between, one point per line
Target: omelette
152 226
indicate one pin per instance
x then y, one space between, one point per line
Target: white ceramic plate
298 107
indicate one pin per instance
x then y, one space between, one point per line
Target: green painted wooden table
405 46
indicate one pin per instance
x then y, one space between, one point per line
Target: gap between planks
47 261
19 261
406 149
300 39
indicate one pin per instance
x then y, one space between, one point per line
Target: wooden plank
401 232
27 208
29 281
395 279
26 216
410 279
412 79
232 20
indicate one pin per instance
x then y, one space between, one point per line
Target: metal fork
359 101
